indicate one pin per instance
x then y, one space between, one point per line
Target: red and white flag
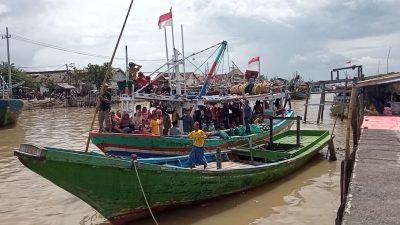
254 64
165 20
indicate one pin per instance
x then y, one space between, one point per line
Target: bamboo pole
107 74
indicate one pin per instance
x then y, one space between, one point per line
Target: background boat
298 95
9 108
115 186
155 146
9 111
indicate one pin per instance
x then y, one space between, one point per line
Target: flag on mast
165 20
254 64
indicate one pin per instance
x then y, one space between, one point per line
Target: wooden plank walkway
374 193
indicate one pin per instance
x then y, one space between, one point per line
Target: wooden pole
306 105
271 134
351 106
219 159
107 74
298 131
321 101
347 150
343 103
331 149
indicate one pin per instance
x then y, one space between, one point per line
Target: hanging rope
144 195
108 74
205 60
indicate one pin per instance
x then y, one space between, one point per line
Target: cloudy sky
308 36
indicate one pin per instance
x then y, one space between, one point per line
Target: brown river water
309 196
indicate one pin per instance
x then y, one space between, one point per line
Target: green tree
96 73
18 75
77 76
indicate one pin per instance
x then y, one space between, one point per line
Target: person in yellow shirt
197 154
155 125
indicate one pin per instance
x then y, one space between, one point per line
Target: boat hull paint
10 109
110 185
157 146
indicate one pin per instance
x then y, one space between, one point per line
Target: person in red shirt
140 81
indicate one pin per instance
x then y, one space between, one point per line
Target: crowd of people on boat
162 120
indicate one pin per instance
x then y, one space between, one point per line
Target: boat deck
374 191
212 166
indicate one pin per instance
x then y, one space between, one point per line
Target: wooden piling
323 102
331 149
306 105
343 103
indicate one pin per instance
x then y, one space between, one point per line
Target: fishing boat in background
157 146
298 89
10 109
147 145
124 189
298 95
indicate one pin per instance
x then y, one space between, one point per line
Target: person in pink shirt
145 113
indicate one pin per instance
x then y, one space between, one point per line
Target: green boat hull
110 185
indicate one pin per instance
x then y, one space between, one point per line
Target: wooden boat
9 111
119 188
9 108
155 146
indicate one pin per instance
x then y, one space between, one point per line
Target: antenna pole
387 61
7 36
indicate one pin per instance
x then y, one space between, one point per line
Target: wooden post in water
298 131
331 149
351 106
306 105
323 101
347 150
344 102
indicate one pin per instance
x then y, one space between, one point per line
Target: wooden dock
374 191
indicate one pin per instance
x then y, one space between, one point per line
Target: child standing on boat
197 154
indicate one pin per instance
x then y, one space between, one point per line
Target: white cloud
3 9
308 36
